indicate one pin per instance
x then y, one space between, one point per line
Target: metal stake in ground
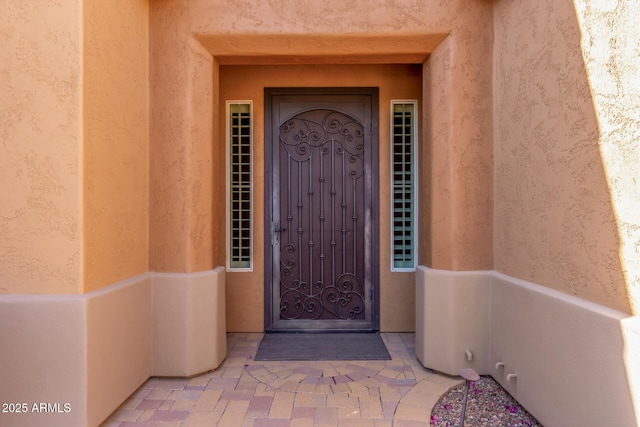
469 375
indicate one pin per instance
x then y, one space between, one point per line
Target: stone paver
245 393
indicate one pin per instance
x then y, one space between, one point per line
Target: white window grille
403 185
239 185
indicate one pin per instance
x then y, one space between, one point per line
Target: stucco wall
610 35
315 33
74 141
40 138
181 187
566 151
245 291
458 144
116 141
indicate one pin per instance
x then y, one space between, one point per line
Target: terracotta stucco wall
40 142
74 135
182 97
116 141
610 35
458 207
245 291
566 151
188 37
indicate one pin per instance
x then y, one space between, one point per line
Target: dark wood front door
321 154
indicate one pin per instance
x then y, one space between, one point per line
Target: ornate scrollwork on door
321 213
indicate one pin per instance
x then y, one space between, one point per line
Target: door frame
372 187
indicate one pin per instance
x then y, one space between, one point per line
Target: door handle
278 229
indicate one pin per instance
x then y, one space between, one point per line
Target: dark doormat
322 346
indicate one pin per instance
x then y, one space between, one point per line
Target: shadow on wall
555 222
565 160
609 47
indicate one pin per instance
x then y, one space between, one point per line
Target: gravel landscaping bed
488 405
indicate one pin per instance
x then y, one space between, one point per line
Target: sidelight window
403 185
239 183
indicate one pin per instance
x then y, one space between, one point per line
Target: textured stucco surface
610 35
245 291
316 32
566 147
181 166
116 141
563 118
458 142
530 154
40 190
73 210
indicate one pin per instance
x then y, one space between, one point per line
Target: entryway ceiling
321 48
